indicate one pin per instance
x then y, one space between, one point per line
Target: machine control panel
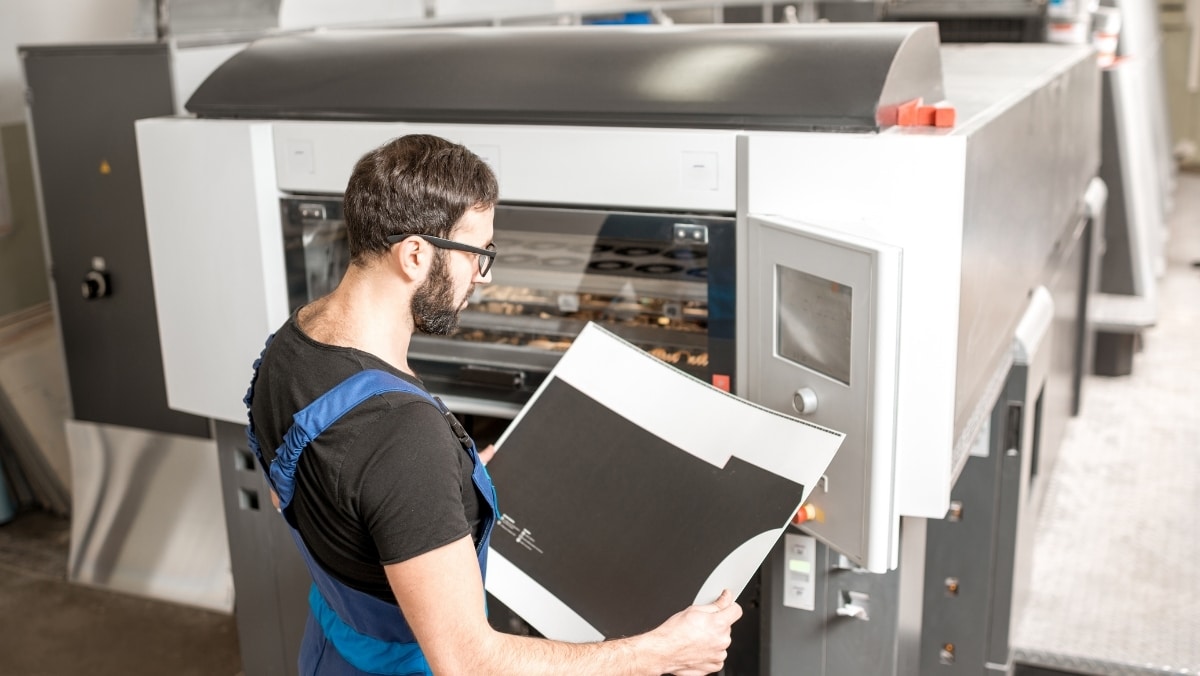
823 328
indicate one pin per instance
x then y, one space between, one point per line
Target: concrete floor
1115 584
1124 493
50 627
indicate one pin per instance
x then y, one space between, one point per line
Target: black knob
95 285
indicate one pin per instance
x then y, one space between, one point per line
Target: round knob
805 401
95 285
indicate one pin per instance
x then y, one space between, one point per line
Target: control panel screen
813 319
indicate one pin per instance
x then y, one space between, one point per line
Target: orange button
721 381
807 512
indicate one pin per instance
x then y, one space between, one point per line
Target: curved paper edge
535 604
739 566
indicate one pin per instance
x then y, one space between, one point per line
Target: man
389 501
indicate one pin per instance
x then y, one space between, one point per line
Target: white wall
305 13
27 22
32 22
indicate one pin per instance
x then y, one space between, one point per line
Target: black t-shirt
385 483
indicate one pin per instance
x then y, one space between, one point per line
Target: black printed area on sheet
619 524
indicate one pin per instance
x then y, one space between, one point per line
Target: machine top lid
843 77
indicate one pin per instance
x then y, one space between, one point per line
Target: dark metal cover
83 101
847 77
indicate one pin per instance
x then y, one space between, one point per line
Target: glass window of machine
814 320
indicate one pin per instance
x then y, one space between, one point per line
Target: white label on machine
799 565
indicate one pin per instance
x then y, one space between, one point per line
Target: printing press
752 204
658 280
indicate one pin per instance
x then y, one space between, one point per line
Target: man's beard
434 309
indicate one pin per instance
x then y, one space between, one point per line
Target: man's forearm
447 619
525 656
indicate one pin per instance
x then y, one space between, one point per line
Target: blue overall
349 632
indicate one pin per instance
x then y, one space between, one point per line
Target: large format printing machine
742 202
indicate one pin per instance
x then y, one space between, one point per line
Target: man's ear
412 258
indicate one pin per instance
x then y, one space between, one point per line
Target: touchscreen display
814 319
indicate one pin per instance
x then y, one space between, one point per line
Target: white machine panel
216 255
824 313
690 170
903 189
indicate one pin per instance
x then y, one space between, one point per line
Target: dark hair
417 184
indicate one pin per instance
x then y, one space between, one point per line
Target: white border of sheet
525 597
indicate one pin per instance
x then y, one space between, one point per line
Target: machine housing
921 245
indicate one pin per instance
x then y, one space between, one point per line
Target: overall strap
368 632
315 418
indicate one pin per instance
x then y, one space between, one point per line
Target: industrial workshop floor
50 627
1115 577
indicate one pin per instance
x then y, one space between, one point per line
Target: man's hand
441 595
694 640
486 454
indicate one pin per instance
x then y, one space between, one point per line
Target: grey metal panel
793 640
984 545
146 516
1067 281
820 642
844 76
83 102
1097 199
854 646
744 655
964 550
1116 273
1016 222
1014 523
269 577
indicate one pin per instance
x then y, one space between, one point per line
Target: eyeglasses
486 256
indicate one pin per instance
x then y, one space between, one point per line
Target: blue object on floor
637 18
6 507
